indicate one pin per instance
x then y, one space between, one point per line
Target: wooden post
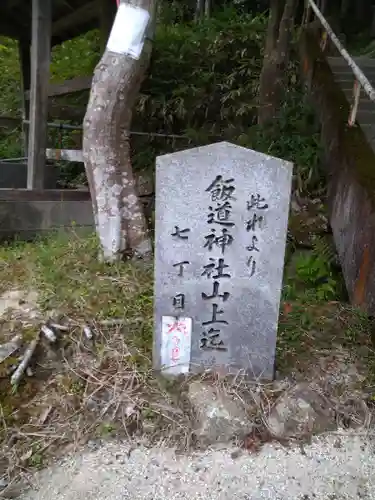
107 13
25 61
40 70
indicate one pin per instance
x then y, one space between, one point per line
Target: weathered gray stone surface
14 175
300 412
26 214
255 189
26 219
220 416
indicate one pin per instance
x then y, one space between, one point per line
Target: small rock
13 490
337 444
236 454
93 444
300 412
220 417
3 483
19 304
9 348
354 413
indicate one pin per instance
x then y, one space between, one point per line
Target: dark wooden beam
10 27
77 84
8 30
55 111
40 71
58 112
69 86
10 4
15 19
82 14
9 122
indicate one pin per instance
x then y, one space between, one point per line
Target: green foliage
295 136
359 326
202 83
315 272
10 88
324 247
76 57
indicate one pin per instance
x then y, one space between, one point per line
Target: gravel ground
333 467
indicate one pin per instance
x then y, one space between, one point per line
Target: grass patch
326 340
80 388
69 278
92 389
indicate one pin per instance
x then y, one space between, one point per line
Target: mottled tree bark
199 10
276 57
119 218
207 8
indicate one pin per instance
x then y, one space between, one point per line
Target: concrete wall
25 214
350 163
14 175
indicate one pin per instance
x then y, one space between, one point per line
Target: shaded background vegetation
202 83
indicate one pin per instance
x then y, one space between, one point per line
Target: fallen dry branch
17 375
92 393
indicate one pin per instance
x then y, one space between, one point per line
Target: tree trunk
199 9
207 9
276 58
119 218
273 27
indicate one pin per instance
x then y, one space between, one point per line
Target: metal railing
360 78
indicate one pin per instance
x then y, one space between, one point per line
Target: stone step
342 70
365 117
339 62
349 77
369 131
345 78
363 98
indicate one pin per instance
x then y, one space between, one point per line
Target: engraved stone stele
220 232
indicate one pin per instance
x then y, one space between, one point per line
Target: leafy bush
204 77
314 271
10 83
312 277
202 83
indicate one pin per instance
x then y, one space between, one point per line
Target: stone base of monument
262 413
301 412
220 417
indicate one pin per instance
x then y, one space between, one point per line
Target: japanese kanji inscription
220 232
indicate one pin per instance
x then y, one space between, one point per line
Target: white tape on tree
128 31
175 345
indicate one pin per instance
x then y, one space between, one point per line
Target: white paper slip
128 31
175 345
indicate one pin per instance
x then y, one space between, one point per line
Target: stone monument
220 232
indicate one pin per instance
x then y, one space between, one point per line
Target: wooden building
38 25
